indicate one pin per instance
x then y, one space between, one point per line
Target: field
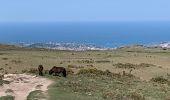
130 73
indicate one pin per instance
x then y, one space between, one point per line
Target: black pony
40 69
57 71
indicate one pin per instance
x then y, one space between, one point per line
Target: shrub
33 70
126 65
36 95
24 71
86 61
46 71
4 58
1 68
69 71
90 66
132 66
96 72
136 96
4 82
61 62
108 95
103 61
160 79
9 91
8 97
72 66
16 61
145 65
1 76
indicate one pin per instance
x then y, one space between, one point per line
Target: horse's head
40 66
50 72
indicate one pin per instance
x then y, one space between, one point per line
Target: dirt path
22 84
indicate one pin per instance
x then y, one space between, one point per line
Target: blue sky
84 10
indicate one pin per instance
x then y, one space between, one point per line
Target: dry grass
145 61
132 66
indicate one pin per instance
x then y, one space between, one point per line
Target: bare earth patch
22 84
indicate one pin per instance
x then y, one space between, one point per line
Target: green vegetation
7 98
4 82
161 80
9 91
131 73
36 95
133 66
93 84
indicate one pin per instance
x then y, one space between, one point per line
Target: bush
33 70
9 91
160 79
1 76
46 71
132 66
1 68
4 58
145 65
9 97
24 71
126 65
86 61
4 82
96 72
108 95
103 61
136 96
72 66
69 71
16 61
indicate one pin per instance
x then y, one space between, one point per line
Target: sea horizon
106 34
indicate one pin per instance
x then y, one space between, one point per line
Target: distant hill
8 47
62 46
72 46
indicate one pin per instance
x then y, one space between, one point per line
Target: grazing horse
57 71
40 69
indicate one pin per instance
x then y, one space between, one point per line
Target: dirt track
22 84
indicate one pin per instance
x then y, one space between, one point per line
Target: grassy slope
7 98
36 95
103 87
16 60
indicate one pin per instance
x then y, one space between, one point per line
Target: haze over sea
107 34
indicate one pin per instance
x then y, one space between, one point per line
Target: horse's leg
40 73
64 73
55 74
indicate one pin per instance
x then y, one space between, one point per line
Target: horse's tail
64 72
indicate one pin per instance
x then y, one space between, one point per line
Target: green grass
100 86
36 95
7 98
95 83
3 82
132 66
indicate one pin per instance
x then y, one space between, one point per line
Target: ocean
107 34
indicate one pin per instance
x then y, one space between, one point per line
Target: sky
84 10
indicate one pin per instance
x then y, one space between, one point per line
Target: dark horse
40 69
57 71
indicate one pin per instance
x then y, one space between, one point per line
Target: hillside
133 73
